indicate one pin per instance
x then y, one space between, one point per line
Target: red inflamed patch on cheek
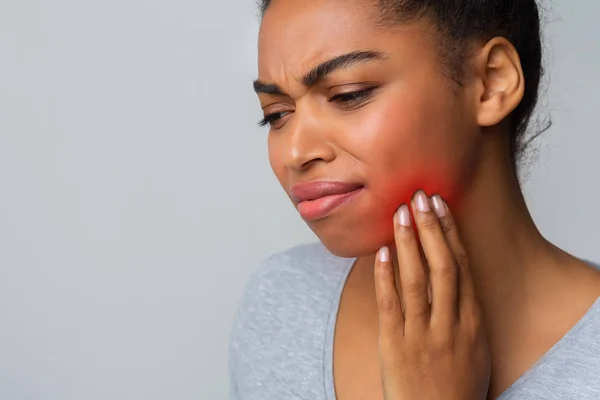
402 189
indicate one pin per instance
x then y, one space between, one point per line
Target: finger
443 273
413 279
466 287
391 320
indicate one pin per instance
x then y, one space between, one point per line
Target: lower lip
311 210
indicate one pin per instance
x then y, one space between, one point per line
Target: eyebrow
321 71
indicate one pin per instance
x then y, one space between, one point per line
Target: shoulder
569 367
297 281
284 310
294 277
295 269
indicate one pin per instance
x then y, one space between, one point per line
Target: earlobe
503 84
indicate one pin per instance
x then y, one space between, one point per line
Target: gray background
137 197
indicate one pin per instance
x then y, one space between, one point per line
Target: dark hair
460 23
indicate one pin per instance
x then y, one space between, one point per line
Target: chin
352 241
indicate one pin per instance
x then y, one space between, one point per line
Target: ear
498 68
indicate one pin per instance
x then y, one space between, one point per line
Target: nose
307 143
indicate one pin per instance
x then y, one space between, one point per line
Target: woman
395 125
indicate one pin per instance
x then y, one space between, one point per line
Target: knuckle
385 274
389 305
415 287
445 269
419 311
406 236
447 224
428 222
461 261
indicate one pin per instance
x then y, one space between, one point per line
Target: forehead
298 34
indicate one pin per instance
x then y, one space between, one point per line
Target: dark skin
410 128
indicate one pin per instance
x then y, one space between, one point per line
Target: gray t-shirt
281 343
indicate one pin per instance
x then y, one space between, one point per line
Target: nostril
309 163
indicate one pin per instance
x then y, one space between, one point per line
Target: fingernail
384 254
403 215
438 206
422 201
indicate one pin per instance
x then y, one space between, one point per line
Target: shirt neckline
521 380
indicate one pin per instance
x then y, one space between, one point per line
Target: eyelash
352 96
343 98
269 119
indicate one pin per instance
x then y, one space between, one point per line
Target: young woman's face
384 120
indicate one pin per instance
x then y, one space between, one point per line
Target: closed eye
269 119
346 100
352 97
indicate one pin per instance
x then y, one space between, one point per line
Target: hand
432 344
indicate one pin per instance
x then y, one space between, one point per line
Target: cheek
411 144
276 160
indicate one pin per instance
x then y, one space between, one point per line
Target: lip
316 200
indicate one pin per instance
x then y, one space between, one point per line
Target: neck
511 263
509 257
513 266
530 292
